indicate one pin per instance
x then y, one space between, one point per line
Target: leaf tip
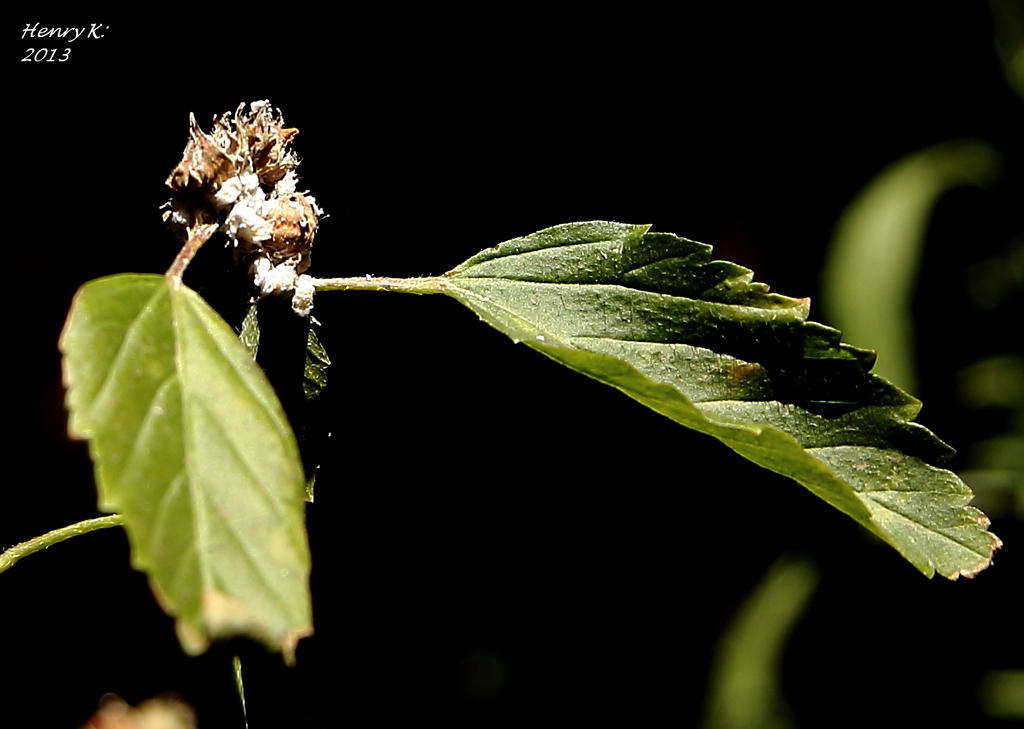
996 545
291 640
192 640
225 616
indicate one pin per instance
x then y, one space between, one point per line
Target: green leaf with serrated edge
314 376
250 332
694 339
314 385
191 446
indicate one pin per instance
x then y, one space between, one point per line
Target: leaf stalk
425 285
197 236
37 544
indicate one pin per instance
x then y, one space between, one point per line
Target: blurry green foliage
872 266
1002 694
994 386
744 691
1008 24
996 280
996 461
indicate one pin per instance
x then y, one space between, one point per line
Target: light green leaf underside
652 315
191 446
314 384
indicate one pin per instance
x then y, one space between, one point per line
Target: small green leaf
314 433
314 375
696 340
191 446
250 333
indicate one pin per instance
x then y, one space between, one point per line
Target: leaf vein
985 554
496 254
198 527
245 549
256 479
122 349
239 375
161 516
151 410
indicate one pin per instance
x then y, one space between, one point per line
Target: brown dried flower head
242 177
159 713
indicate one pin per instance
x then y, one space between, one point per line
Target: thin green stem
236 663
429 285
36 544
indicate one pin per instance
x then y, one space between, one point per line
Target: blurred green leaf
1008 24
695 340
745 691
1002 694
191 446
992 388
874 257
996 381
996 281
996 461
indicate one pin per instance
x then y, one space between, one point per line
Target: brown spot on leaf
745 374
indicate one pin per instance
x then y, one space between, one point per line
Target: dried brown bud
241 177
293 223
203 166
269 154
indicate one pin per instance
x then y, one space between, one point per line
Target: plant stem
429 285
197 236
36 544
236 663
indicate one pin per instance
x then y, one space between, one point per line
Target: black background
480 505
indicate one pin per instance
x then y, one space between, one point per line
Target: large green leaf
694 339
301 388
191 446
